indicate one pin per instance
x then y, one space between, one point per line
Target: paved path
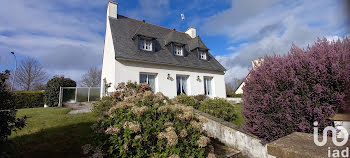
80 107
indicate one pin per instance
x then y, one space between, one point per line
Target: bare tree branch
92 78
30 74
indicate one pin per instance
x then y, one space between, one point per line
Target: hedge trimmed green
53 89
235 95
29 99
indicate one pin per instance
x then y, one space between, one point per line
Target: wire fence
78 94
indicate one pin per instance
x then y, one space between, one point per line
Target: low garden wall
233 136
235 100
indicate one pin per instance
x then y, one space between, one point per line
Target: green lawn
51 132
240 120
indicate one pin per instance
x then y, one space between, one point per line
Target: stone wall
232 136
302 145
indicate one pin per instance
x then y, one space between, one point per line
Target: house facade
255 63
170 61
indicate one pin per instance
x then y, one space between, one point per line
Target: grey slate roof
197 43
177 37
124 30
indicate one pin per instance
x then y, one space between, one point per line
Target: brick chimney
112 9
191 31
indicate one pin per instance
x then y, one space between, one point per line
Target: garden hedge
29 99
288 93
53 89
217 107
235 95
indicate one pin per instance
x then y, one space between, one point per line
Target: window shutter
138 41
172 48
198 53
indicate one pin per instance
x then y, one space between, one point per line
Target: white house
170 61
255 63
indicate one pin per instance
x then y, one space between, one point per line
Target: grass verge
240 119
51 132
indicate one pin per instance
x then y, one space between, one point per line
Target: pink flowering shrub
288 93
139 123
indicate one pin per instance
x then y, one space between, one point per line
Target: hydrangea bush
217 107
139 123
288 93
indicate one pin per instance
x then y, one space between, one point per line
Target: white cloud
64 35
270 27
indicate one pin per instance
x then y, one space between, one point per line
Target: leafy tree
287 94
53 89
8 120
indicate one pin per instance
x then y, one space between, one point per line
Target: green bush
29 99
143 124
201 97
187 100
219 108
235 95
53 89
8 120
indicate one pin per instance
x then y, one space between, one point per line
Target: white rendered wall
108 65
240 89
191 32
130 71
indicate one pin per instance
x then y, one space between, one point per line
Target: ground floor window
207 86
181 84
149 79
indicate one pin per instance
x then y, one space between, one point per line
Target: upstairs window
203 55
178 50
145 44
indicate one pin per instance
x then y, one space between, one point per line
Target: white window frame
147 79
208 89
178 50
186 90
145 44
203 55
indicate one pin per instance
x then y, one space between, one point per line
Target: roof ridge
153 24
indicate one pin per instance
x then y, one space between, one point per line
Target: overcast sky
67 36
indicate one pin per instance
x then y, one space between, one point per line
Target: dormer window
145 44
178 50
203 55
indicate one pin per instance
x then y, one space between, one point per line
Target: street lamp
14 72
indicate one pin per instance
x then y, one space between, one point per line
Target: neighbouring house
341 119
170 61
255 63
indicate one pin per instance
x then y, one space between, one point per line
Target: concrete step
221 150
